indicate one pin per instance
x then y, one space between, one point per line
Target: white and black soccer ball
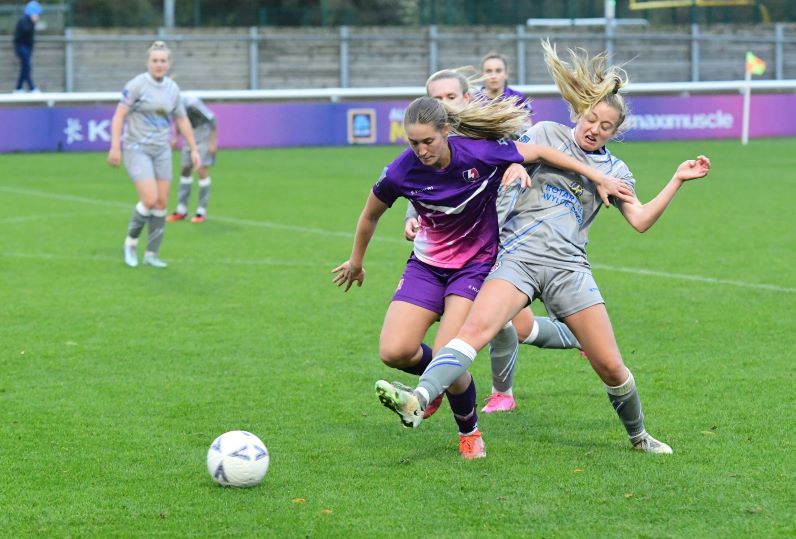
237 459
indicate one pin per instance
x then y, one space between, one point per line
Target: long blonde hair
480 119
587 81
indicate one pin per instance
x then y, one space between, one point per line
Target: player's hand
614 187
114 157
410 229
348 275
693 169
196 159
515 172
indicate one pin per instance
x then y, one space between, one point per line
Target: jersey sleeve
131 92
385 188
623 173
206 112
505 152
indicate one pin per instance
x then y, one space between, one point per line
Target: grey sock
157 225
549 333
451 361
627 404
186 184
137 221
503 356
204 195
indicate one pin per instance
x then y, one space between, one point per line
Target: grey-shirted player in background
148 101
543 244
203 122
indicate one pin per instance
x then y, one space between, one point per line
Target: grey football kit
545 231
147 152
543 254
145 141
203 123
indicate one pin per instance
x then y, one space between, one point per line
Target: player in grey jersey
203 122
543 245
452 87
148 101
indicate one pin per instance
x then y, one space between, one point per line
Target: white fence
341 94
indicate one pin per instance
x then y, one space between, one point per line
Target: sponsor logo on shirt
416 191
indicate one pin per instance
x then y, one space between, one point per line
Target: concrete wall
219 58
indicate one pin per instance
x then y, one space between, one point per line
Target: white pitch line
192 261
41 217
697 278
349 235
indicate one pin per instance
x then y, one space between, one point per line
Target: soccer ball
237 459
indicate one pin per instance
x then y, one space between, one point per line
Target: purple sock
463 408
420 367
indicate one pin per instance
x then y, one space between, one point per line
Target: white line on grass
106 258
697 278
349 235
41 217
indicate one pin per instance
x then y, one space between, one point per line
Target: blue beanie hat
33 8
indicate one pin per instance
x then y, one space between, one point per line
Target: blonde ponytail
586 81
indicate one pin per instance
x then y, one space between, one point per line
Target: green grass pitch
116 380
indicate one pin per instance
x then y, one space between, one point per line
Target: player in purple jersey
495 74
452 181
543 248
452 87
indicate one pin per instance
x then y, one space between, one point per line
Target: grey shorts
564 292
204 154
143 165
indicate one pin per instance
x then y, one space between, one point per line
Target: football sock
549 333
204 195
186 183
503 356
451 362
137 221
157 225
463 408
419 367
627 404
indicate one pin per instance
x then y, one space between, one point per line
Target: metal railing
780 38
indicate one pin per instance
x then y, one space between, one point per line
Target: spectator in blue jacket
23 44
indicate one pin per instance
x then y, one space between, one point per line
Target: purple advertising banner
263 125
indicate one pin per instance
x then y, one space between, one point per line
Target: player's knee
149 201
477 332
611 369
396 355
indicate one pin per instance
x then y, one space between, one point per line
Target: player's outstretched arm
606 186
643 216
352 269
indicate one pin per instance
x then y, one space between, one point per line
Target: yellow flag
754 65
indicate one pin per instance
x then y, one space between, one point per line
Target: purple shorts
427 286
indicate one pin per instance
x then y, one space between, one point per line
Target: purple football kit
458 237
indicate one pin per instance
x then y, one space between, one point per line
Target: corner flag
754 65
